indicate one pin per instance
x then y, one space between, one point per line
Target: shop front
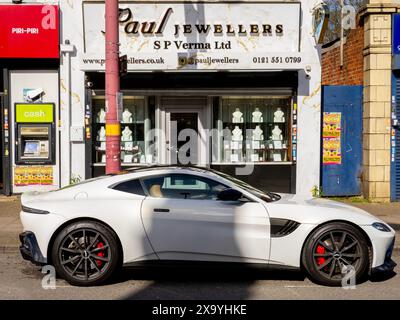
29 59
231 86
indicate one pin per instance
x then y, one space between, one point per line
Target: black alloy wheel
334 251
86 253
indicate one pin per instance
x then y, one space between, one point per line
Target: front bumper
388 264
29 248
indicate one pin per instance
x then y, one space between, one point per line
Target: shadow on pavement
201 283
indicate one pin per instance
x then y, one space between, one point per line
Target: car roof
172 167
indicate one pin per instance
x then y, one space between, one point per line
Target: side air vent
282 227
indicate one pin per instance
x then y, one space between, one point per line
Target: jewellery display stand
101 116
127 116
237 116
279 116
257 116
101 134
254 130
132 130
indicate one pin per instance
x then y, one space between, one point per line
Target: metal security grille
396 140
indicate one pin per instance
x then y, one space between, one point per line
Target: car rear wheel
335 253
86 253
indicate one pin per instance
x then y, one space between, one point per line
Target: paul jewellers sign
190 36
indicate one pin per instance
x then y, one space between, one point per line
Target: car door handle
160 210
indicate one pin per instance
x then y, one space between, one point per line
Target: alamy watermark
203 148
349 15
49 279
349 277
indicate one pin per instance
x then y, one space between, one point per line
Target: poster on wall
331 136
33 175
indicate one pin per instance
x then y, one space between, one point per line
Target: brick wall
352 71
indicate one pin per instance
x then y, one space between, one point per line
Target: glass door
185 127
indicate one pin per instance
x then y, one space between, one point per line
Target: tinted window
183 186
130 186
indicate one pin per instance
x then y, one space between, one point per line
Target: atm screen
31 147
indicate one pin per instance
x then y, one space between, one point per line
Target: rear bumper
29 248
388 264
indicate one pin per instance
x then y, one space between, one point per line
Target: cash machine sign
34 113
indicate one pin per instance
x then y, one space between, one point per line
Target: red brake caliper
320 250
100 254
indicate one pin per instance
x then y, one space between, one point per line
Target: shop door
395 150
342 150
185 136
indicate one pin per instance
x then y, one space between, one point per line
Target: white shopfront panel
30 177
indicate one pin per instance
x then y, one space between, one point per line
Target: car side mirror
229 195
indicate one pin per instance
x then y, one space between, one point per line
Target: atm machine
35 133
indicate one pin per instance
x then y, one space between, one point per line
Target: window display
134 123
254 129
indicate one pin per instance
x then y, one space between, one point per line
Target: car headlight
33 210
381 227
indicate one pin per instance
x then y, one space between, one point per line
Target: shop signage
29 31
396 34
181 36
331 136
34 113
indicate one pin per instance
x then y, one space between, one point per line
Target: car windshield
266 196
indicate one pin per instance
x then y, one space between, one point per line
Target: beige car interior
155 191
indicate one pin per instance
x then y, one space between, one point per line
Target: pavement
10 225
20 280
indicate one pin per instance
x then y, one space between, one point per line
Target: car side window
130 186
183 186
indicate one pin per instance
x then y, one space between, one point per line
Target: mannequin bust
279 116
277 134
101 116
127 134
257 116
237 134
127 116
258 134
101 135
237 116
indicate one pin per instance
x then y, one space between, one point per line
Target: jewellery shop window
254 129
135 121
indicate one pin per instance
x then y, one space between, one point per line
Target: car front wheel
336 254
86 253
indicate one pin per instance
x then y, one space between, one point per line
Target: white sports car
153 214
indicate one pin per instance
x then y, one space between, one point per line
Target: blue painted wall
344 179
